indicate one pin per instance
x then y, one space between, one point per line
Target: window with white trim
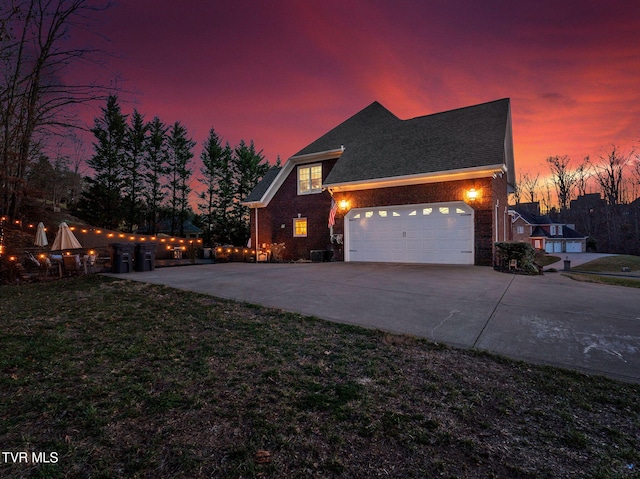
520 230
299 227
309 179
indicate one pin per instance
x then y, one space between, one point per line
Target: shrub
524 255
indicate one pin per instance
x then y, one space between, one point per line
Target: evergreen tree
155 166
211 157
179 154
101 205
226 191
135 150
248 167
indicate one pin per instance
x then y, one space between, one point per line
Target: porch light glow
343 204
472 194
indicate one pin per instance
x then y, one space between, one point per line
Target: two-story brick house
529 226
431 189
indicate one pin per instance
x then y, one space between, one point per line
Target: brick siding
275 222
439 193
286 204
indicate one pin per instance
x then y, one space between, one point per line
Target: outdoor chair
71 265
89 263
47 268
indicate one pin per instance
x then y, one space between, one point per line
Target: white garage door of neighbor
553 247
440 233
574 247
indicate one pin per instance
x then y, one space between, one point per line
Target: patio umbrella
65 239
41 236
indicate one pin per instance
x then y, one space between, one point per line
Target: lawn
611 269
611 264
116 379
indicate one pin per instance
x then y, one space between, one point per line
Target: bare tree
547 202
583 175
635 175
609 174
517 192
35 96
529 184
563 178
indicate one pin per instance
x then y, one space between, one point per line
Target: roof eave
417 179
318 156
284 173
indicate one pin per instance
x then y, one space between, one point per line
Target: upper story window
553 230
309 179
520 230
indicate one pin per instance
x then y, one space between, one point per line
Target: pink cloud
284 72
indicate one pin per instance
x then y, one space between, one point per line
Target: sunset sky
285 72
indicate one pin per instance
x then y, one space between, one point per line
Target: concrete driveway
547 319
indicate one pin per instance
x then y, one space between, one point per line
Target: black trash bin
145 257
316 255
122 257
321 255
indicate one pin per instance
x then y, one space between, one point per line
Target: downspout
504 224
257 242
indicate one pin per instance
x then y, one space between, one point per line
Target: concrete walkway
546 319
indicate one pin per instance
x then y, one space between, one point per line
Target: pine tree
211 157
248 167
223 214
179 173
155 166
101 205
135 143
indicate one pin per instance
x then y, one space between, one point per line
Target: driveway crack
493 313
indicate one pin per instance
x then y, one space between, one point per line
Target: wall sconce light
343 204
473 194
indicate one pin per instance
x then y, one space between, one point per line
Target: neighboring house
588 202
431 189
543 233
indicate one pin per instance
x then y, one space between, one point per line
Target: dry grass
126 380
611 280
611 264
610 268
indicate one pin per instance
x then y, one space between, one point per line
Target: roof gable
263 185
379 145
375 148
366 125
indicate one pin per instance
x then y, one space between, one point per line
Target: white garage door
574 247
427 233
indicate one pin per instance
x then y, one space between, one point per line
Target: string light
99 232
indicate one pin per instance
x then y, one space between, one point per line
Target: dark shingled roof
380 145
262 186
534 219
567 233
